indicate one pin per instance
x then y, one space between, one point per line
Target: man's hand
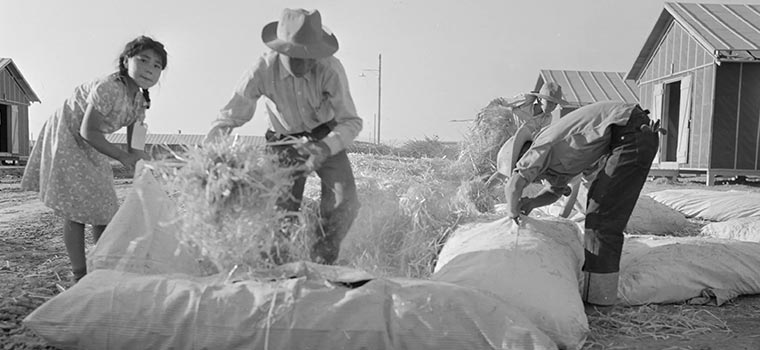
526 205
318 152
129 160
517 220
653 126
216 133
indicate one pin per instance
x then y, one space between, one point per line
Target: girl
69 164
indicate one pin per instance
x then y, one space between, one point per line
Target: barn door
15 135
657 115
684 120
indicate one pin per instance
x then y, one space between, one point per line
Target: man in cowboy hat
306 96
566 148
535 108
531 112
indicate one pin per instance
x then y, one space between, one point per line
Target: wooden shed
580 88
699 73
15 97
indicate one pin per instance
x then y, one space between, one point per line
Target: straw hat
300 34
509 153
550 91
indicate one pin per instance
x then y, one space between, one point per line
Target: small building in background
15 98
581 88
160 144
699 73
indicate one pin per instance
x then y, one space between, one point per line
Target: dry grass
430 147
651 321
492 127
227 195
408 208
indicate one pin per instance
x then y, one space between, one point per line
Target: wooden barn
585 87
15 97
699 73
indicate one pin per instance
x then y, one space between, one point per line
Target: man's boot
599 292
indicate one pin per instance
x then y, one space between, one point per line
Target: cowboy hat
300 34
552 92
509 153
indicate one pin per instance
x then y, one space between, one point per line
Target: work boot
325 251
600 289
79 274
597 310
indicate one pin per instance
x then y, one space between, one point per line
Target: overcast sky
441 59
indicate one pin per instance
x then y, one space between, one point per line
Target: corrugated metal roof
585 87
722 29
16 73
181 139
720 26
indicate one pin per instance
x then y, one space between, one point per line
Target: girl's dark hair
136 46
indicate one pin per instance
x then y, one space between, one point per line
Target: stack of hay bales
297 305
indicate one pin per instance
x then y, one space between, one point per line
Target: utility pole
379 92
379 71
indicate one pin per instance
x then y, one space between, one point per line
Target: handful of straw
227 194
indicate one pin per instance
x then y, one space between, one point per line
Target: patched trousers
339 202
611 200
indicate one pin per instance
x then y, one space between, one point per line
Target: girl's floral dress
72 177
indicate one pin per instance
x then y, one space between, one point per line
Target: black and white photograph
387 174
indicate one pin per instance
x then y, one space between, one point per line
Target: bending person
564 150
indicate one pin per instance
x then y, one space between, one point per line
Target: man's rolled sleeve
533 162
349 124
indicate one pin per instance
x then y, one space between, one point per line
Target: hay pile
227 195
493 126
408 208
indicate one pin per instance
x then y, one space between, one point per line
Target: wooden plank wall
748 138
679 55
701 118
737 110
11 94
23 130
10 91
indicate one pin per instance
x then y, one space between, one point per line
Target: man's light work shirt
572 144
295 105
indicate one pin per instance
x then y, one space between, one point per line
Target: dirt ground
34 267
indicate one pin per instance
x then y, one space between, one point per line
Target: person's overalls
611 200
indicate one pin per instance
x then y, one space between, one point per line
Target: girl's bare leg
73 238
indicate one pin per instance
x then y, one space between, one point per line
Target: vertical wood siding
725 118
23 130
678 55
11 94
702 117
9 89
737 110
